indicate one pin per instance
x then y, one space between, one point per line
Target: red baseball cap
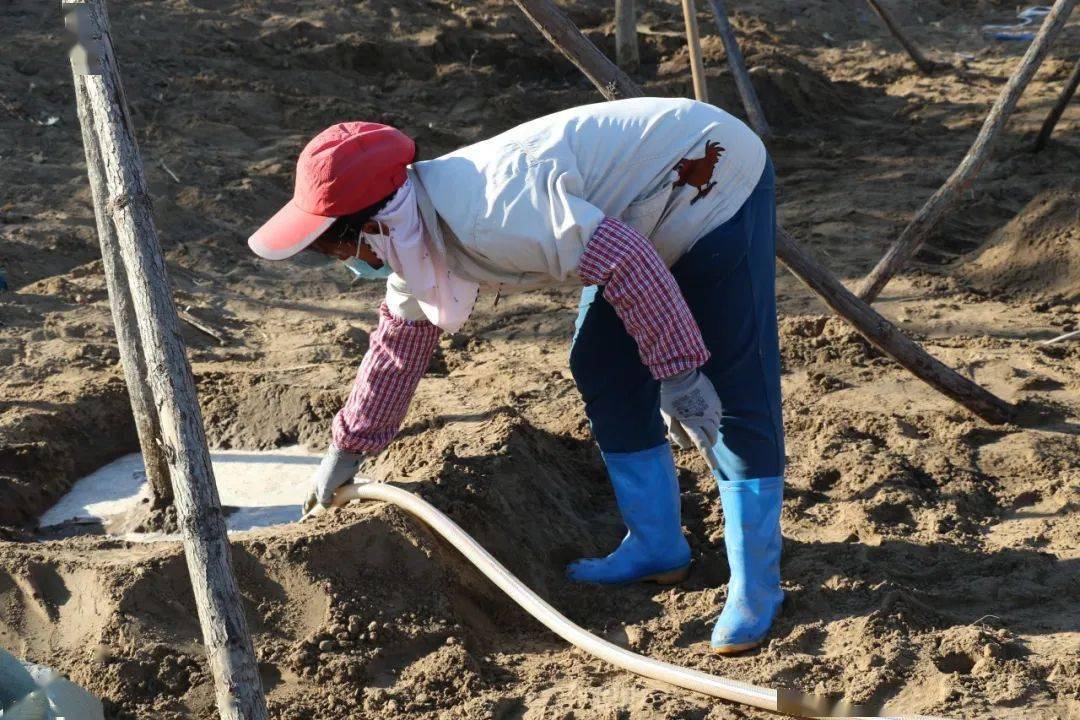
345 168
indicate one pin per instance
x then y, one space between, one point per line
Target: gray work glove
337 468
691 410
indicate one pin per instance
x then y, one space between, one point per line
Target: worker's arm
646 297
398 354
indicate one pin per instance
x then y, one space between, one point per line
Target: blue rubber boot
647 492
752 538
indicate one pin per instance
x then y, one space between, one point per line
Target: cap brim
288 232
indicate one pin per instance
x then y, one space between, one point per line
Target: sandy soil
929 559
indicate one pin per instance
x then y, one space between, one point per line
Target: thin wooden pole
206 544
738 70
931 213
693 44
925 64
1056 112
861 316
626 40
123 314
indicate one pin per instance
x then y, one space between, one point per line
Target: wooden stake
1052 118
626 39
693 44
879 331
561 31
123 313
888 338
930 214
738 70
206 545
925 64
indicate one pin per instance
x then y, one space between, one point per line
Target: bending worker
664 210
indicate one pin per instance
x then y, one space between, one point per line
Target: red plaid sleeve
646 298
398 354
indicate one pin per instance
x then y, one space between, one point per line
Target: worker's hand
337 468
312 507
691 410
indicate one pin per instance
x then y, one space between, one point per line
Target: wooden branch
206 544
1059 338
123 314
563 33
1052 118
928 217
887 337
861 316
167 169
925 64
627 54
738 70
693 44
200 325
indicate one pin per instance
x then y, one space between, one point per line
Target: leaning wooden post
123 314
561 30
919 229
861 316
626 39
887 337
206 544
1052 118
735 60
925 64
693 44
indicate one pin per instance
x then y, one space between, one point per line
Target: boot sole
668 577
665 577
736 648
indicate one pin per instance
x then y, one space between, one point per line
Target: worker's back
521 206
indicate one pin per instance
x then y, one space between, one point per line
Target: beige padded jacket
517 210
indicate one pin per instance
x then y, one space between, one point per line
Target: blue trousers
728 279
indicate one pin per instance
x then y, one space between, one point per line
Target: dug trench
929 559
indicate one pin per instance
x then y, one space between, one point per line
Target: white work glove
691 410
337 468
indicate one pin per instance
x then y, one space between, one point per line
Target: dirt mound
49 445
139 647
507 468
369 605
822 339
791 93
1037 254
